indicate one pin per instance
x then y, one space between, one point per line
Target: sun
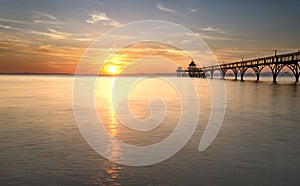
113 69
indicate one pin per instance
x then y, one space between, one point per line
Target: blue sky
51 36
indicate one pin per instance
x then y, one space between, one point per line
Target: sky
53 36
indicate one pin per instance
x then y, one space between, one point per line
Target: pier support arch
275 68
213 71
223 70
242 71
295 68
257 70
235 71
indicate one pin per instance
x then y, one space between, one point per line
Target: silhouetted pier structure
191 71
275 63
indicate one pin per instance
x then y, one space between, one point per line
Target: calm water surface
258 143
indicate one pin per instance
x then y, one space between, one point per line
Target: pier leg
274 78
257 77
242 76
276 70
235 71
223 73
297 75
257 71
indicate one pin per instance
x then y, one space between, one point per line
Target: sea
42 143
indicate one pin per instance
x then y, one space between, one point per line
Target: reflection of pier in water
275 63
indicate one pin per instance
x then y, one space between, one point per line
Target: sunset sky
51 36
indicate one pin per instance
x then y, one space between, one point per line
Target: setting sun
113 69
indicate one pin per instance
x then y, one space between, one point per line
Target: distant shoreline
31 73
103 75
263 74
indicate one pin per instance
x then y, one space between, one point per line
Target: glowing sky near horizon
51 36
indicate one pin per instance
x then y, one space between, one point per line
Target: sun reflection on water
112 170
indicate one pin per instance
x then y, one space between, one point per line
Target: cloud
11 28
48 22
10 41
51 30
44 15
45 18
191 10
112 23
234 54
210 29
39 18
15 21
160 7
53 34
31 46
216 38
4 26
45 48
83 39
96 17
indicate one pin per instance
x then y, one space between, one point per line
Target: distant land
264 74
33 73
70 74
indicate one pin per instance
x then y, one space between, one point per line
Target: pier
275 63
